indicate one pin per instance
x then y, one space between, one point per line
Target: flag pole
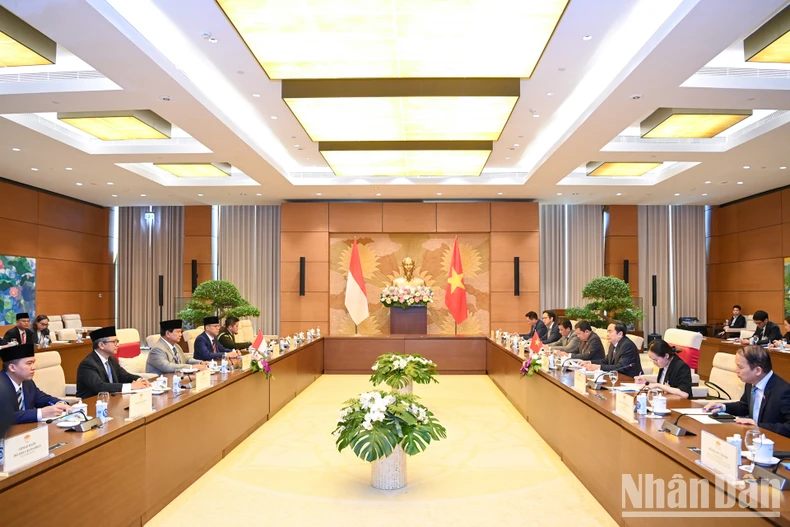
456 328
356 329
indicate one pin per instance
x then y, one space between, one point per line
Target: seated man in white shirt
166 355
100 371
19 367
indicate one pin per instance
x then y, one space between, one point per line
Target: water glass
753 442
613 377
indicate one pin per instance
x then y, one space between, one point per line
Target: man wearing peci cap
207 346
21 332
166 355
100 371
32 405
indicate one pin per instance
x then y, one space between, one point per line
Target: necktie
214 344
755 404
22 336
19 405
109 371
175 354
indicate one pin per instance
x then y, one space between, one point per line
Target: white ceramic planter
389 473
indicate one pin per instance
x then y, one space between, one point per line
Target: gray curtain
147 249
654 259
689 262
571 252
249 257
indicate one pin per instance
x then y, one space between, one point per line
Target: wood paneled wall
622 243
197 245
747 244
72 247
306 228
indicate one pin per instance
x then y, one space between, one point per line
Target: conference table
125 472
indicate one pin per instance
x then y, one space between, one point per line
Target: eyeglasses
113 341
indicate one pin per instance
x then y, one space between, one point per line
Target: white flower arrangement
397 370
406 296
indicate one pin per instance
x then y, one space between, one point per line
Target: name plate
26 448
140 404
521 348
202 380
492 334
624 406
246 362
719 456
580 382
544 363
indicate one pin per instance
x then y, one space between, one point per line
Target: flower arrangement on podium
260 364
400 371
533 364
407 296
382 428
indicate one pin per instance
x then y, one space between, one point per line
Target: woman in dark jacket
674 375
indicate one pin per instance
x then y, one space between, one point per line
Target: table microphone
619 368
52 420
674 429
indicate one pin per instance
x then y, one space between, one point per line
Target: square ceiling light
402 109
770 43
197 170
690 123
119 126
23 45
349 39
407 159
616 169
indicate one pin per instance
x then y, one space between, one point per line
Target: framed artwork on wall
17 286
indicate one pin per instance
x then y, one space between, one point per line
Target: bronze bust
408 279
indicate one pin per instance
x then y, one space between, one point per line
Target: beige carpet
493 469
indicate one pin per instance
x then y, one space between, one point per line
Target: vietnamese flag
356 294
535 344
455 296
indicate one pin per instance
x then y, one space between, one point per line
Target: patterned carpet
493 469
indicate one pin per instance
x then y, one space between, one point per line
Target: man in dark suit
766 396
100 371
766 331
591 346
737 322
207 346
569 341
8 408
552 328
21 332
537 325
623 355
32 405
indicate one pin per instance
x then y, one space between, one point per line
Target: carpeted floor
493 469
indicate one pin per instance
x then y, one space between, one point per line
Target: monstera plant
216 297
610 300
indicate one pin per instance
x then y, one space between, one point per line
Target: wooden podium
410 321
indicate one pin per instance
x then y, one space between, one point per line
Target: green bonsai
611 300
216 297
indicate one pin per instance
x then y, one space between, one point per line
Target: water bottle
177 382
753 340
641 404
735 440
782 345
79 337
101 411
551 361
2 454
318 331
224 365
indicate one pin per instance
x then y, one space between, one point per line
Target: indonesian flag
535 344
356 294
455 296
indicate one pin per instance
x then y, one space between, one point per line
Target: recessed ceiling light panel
617 169
690 123
770 43
197 170
120 125
22 44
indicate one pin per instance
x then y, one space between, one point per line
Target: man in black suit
552 328
623 355
737 321
100 371
21 332
766 396
591 346
766 332
32 405
537 325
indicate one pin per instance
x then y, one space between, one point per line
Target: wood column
622 243
197 245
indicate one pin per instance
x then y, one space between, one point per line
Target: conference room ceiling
232 138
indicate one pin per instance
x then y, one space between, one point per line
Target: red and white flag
356 294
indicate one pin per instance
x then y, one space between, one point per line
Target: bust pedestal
409 321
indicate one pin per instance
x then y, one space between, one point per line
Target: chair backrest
71 321
55 318
190 335
750 325
127 335
688 342
134 364
55 325
637 340
246 332
604 338
49 376
67 334
128 350
747 333
723 374
151 340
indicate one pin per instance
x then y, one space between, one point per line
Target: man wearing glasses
100 371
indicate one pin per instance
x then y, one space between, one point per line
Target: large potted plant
400 372
610 300
383 428
216 297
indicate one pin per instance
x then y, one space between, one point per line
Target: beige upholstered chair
55 324
127 335
136 365
67 335
71 321
638 341
604 338
49 377
723 377
246 331
747 333
151 340
189 336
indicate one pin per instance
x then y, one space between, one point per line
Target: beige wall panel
502 276
312 245
508 308
316 277
295 308
623 220
355 217
409 217
506 245
309 217
463 217
197 220
515 216
758 244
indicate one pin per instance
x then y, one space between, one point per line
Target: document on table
691 411
705 419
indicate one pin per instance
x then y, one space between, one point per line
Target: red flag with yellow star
455 296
